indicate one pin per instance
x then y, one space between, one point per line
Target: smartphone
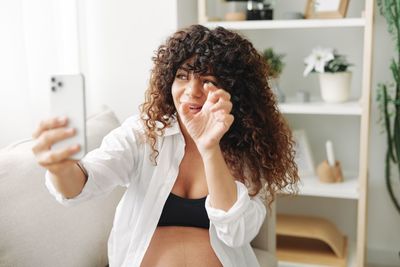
67 98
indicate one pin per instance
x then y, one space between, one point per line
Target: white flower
317 60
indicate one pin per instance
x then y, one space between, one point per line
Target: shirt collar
173 128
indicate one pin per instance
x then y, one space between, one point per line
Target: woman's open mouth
195 108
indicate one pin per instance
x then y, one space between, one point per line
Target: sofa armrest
35 230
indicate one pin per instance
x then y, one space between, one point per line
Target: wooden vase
330 174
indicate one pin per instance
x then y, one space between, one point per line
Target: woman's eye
181 76
210 82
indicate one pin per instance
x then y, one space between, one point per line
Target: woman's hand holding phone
68 178
49 132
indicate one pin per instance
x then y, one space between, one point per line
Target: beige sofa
35 230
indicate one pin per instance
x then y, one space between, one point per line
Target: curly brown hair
258 147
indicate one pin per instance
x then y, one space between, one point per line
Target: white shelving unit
350 262
322 108
354 187
288 24
348 189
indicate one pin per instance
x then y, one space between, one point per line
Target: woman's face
188 87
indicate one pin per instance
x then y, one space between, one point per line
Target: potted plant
275 67
334 77
389 103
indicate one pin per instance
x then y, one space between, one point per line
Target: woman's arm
242 222
220 182
69 183
234 216
113 163
206 129
66 176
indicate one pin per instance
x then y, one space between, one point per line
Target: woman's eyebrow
189 70
183 69
207 74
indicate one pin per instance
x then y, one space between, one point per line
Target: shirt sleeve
242 222
114 163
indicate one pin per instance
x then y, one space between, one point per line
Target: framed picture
303 158
326 9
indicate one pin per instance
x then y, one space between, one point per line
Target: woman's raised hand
49 132
208 126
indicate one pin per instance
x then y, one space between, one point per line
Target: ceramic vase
335 87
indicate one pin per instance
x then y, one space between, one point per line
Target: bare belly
176 246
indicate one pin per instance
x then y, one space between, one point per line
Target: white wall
38 38
14 102
119 39
383 219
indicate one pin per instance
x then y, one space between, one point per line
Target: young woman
199 163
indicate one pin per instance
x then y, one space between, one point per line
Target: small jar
257 10
236 10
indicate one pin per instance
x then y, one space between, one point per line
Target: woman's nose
194 89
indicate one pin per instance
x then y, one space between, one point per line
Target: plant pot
335 87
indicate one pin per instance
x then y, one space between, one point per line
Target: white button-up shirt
124 159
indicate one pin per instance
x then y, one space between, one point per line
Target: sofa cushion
35 230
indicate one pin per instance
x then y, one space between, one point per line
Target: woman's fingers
49 132
219 98
215 93
49 124
222 104
226 119
50 157
49 137
219 94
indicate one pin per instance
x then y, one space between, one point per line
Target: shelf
347 108
311 186
351 261
315 228
309 239
289 24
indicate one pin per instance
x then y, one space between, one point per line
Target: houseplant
334 77
275 67
389 102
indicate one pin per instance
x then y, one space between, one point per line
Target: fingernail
75 147
62 119
71 130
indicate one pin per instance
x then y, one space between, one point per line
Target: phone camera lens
53 89
60 84
53 79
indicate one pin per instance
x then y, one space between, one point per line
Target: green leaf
395 71
396 137
388 180
274 62
387 122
